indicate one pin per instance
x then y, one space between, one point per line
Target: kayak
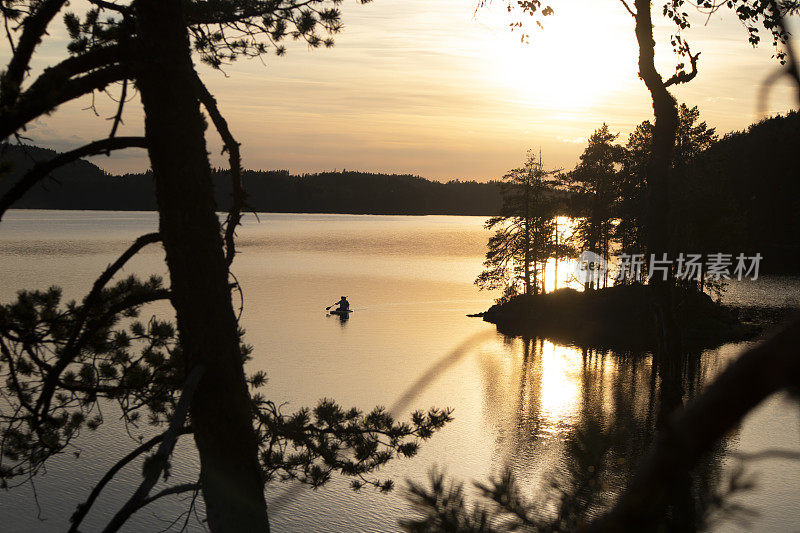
341 313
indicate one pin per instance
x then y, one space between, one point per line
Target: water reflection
530 404
342 318
573 423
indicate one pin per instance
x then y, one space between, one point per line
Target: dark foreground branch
83 509
43 98
235 160
790 67
41 170
33 28
76 340
683 76
155 465
769 367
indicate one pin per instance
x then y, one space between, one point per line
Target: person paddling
344 305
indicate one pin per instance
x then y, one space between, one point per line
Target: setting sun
580 57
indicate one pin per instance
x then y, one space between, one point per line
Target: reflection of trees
575 460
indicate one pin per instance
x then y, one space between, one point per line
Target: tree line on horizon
83 185
720 203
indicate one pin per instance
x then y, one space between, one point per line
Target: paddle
328 308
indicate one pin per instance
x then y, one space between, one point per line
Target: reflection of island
574 423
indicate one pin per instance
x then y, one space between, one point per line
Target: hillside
748 186
83 185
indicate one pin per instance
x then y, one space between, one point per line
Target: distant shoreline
82 185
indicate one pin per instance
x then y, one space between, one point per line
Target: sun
583 55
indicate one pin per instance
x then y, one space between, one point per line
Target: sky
438 89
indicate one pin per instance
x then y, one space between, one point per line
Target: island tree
594 188
689 435
697 201
524 232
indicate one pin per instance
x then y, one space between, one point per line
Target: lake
409 345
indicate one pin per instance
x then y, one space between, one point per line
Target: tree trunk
702 279
558 252
665 127
544 278
527 235
221 411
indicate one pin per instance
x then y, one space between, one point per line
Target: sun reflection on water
560 382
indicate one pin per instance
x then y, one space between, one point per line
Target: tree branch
118 117
624 3
102 4
683 76
176 489
234 158
155 464
73 346
33 28
42 98
42 169
83 509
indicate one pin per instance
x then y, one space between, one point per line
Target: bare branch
33 28
83 508
43 97
176 489
125 10
155 464
41 170
624 3
118 117
234 157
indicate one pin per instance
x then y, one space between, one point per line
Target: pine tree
523 241
594 187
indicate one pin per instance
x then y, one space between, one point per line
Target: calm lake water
408 345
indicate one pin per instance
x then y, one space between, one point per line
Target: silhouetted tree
688 437
59 361
524 231
697 225
594 187
747 191
631 208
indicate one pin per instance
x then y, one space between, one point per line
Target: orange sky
432 88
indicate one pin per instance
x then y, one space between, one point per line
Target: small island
624 318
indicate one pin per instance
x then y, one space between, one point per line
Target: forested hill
752 179
83 185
